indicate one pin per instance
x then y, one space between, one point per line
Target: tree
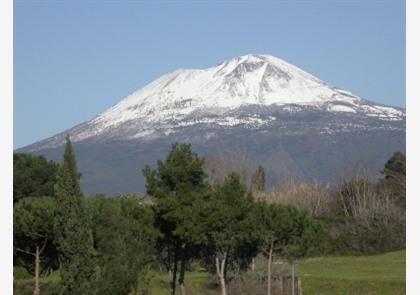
33 229
73 230
33 176
394 177
287 232
258 180
274 225
306 238
179 186
373 221
124 237
230 225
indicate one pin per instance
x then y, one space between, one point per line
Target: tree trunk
226 258
269 267
220 268
253 265
293 278
182 272
173 284
223 285
37 263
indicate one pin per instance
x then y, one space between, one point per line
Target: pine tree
287 232
72 228
230 226
33 230
179 186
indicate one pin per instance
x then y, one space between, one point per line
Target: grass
195 283
375 274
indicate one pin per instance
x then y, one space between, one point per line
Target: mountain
281 116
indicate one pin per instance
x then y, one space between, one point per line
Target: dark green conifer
73 230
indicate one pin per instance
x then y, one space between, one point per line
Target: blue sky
73 59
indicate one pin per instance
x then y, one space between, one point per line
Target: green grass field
376 274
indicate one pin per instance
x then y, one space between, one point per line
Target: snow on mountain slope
188 97
245 80
249 79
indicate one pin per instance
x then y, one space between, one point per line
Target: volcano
282 117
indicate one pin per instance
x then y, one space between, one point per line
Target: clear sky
74 59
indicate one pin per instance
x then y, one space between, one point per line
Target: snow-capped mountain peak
216 95
244 80
284 118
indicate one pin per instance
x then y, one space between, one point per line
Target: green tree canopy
33 229
33 176
124 238
394 177
33 225
230 225
180 188
287 232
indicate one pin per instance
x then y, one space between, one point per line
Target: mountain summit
249 96
245 80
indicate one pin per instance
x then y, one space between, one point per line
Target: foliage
291 233
231 228
124 237
73 230
394 177
179 186
111 245
230 220
33 226
33 176
369 219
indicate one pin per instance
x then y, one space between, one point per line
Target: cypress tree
258 180
72 228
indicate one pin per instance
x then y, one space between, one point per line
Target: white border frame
6 146
413 146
